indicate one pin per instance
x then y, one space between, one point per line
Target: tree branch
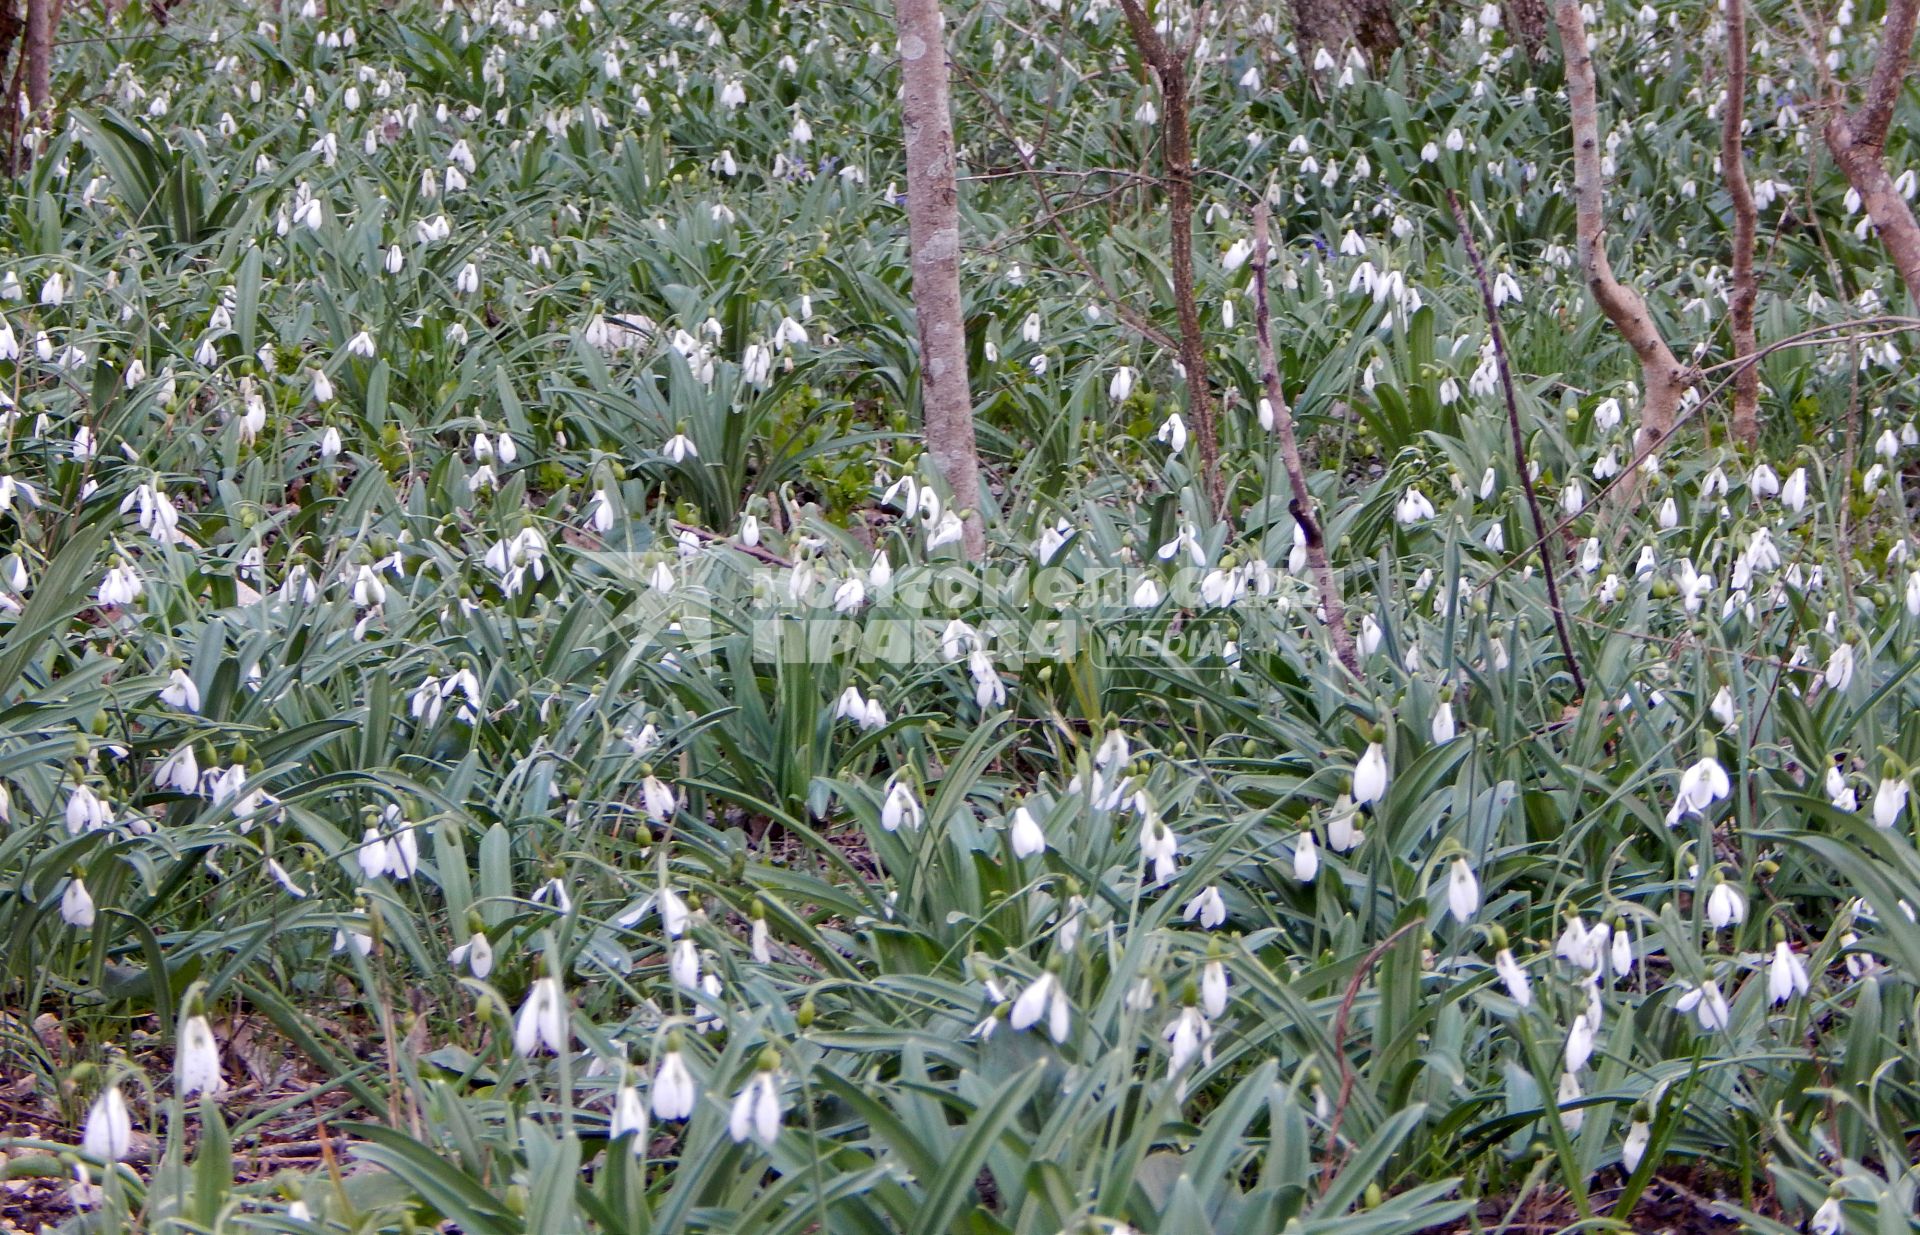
1302 503
1664 378
1858 139
1746 288
1519 441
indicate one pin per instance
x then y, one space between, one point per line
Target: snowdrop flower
1306 858
1828 1219
1370 775
196 1062
76 904
948 531
1236 255
86 812
541 1023
1606 416
673 1088
1573 498
1412 508
330 443
1044 997
1786 974
1441 728
658 798
121 587
1722 707
1189 1037
679 448
467 282
1839 672
683 964
1725 906
1025 836
629 1119
1634 1147
1794 493
901 807
1579 1043
180 692
1122 384
1839 792
756 1110
108 1134
1889 799
1701 785
1463 891
1569 1093
476 954
1208 908
1707 1004
1173 432
1764 482
1513 977
1159 846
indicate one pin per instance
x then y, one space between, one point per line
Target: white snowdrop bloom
1794 492
1236 255
180 692
1160 846
1147 593
375 854
1370 775
1839 672
541 1023
1513 977
180 771
1209 908
1579 1043
1413 507
1573 498
1634 1146
1025 835
1505 288
1213 987
659 799
1707 1004
1786 974
1701 785
362 345
467 282
1043 997
901 808
1173 432
1889 799
684 964
1189 1037
629 1119
1463 891
1725 906
756 1110
476 954
330 443
673 1089
1121 385
1306 858
1571 1117
1839 792
1722 707
1828 1219
86 812
679 448
1763 482
1441 728
108 1134
76 904
196 1061
53 292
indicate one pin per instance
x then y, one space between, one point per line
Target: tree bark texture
1746 288
1858 140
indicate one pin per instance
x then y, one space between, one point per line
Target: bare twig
1519 442
1340 1037
1302 502
1664 378
1746 289
1177 150
1858 140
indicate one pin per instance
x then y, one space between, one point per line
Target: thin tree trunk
1527 23
1859 138
1176 148
1663 378
1302 503
933 232
1320 23
1375 29
1746 289
38 50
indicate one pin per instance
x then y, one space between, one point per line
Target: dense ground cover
427 428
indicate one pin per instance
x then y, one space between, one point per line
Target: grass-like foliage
497 733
